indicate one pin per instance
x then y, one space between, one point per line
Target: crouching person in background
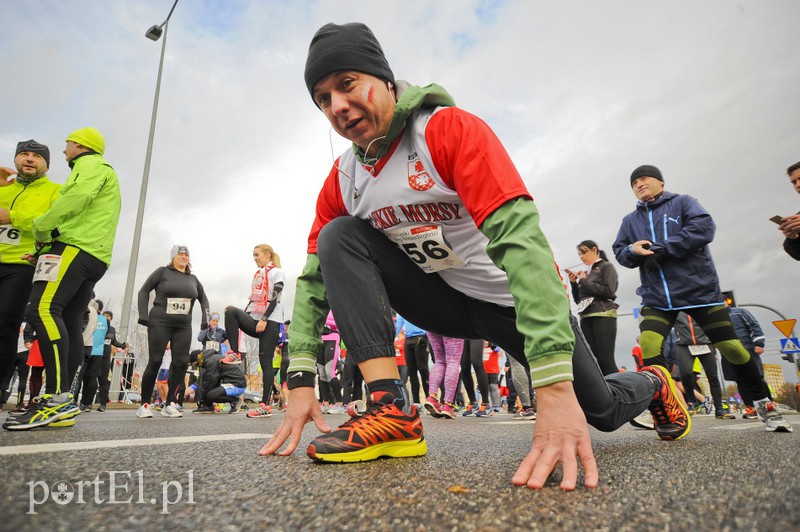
221 383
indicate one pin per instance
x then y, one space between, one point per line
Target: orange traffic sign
785 326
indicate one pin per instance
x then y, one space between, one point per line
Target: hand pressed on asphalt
303 408
561 434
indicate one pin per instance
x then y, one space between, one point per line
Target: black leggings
180 339
472 358
329 384
236 319
716 323
366 275
352 381
15 287
56 313
218 395
416 350
689 380
601 335
90 370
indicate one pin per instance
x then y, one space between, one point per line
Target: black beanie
646 170
35 147
347 47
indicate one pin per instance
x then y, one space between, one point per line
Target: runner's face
360 107
794 179
261 258
588 256
30 165
646 188
180 261
214 322
72 150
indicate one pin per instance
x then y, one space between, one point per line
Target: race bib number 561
426 246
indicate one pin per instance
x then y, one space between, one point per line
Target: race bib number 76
9 235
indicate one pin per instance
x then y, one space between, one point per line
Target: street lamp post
154 33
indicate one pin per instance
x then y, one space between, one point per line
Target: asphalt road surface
113 471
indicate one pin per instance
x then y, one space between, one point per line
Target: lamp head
154 33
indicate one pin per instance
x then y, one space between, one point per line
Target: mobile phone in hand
777 219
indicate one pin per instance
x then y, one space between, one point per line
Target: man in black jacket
222 383
790 226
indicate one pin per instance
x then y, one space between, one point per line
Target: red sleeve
472 161
329 206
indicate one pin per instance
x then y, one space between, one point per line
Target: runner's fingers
569 470
319 421
590 472
544 466
525 469
277 439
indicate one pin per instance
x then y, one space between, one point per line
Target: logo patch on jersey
418 178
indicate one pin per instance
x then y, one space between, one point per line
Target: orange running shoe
671 418
383 430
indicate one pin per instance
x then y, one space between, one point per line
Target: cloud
579 92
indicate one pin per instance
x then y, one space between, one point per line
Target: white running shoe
335 409
171 410
144 411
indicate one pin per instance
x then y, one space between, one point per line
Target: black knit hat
34 147
646 170
347 47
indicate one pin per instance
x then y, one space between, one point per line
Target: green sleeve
308 317
77 194
518 247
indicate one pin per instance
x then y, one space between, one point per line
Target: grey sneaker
773 421
643 421
526 414
171 410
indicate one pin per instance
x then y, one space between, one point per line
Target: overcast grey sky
580 93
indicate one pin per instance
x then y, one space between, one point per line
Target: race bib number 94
47 268
9 235
426 246
179 305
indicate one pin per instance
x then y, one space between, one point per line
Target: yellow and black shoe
43 413
384 430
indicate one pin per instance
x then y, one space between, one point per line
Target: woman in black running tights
169 321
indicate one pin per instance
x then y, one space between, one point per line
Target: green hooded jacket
87 212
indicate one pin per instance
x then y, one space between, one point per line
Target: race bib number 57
426 246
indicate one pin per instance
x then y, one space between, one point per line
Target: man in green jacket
21 200
427 215
74 240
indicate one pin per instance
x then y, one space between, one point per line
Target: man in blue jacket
667 238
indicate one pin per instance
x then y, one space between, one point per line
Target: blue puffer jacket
682 228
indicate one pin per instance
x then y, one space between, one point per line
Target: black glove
653 262
143 321
203 326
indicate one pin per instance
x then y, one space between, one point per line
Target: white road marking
111 444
